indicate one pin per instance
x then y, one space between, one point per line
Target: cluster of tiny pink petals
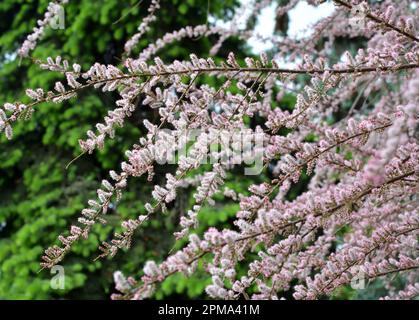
351 132
31 41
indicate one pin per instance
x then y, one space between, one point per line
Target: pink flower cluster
351 131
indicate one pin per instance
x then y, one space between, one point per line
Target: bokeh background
39 198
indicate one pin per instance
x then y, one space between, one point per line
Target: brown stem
254 235
380 21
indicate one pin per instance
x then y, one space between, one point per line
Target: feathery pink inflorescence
351 131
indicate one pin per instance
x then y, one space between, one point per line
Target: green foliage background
39 199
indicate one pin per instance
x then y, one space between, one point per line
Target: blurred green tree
39 196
